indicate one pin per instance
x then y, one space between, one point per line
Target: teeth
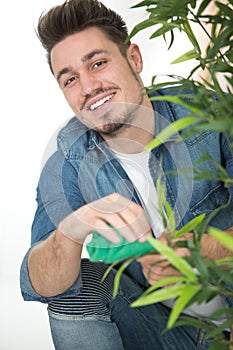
100 102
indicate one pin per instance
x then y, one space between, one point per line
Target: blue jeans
93 320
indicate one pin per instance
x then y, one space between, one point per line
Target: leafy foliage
211 107
170 16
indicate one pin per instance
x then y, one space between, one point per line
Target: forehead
76 46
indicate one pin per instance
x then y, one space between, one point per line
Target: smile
101 102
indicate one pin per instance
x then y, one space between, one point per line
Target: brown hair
76 15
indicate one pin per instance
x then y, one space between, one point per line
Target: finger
112 204
126 216
104 229
151 259
136 224
125 229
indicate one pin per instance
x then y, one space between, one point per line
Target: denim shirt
83 169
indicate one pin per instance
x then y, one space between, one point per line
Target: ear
135 58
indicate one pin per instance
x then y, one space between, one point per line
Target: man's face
101 86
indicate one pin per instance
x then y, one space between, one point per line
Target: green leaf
185 57
169 131
206 294
176 260
225 311
159 295
225 261
224 275
217 345
178 99
225 8
141 26
163 30
214 212
144 3
194 322
202 7
165 282
188 30
224 238
171 40
190 226
217 125
118 276
187 294
220 329
165 209
171 223
109 269
199 263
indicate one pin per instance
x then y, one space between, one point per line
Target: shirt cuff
29 293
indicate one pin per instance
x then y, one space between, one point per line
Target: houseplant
215 74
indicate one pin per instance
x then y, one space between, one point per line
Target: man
100 176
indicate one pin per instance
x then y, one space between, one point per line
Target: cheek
73 99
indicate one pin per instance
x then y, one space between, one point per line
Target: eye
70 80
99 64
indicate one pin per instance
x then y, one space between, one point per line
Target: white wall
32 108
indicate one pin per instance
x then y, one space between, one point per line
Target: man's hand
156 267
123 214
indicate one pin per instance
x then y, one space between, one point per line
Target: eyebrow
93 53
84 59
62 72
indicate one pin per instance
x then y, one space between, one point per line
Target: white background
32 108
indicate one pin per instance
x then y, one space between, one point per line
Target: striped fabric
94 297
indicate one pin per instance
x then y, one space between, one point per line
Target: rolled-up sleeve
29 293
54 202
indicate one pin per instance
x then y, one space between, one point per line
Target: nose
89 83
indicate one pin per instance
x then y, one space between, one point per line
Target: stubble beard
112 125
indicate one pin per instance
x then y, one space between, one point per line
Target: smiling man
100 176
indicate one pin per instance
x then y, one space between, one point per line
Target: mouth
100 102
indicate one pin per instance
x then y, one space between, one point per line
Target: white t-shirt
137 169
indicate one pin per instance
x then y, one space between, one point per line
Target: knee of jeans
93 298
